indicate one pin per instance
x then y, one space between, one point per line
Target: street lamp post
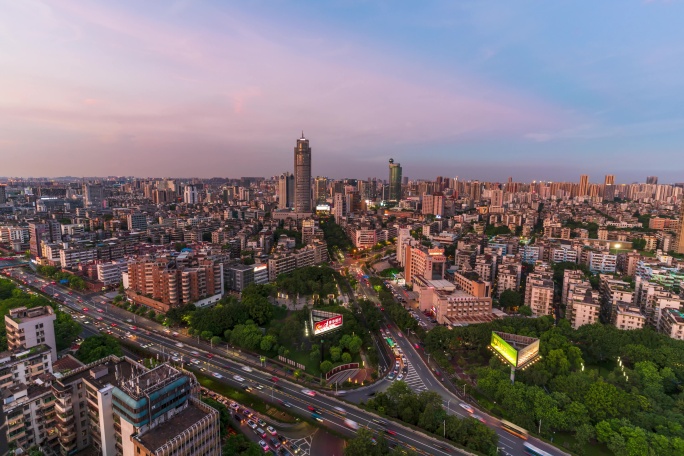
448 408
445 429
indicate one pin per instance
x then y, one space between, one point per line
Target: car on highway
274 379
275 443
246 368
285 403
195 361
351 424
390 432
100 318
309 392
217 375
114 325
234 405
237 378
175 358
264 446
400 377
100 310
259 386
313 409
467 407
479 418
261 433
248 413
416 346
317 417
382 423
282 439
261 422
294 447
196 353
271 430
209 355
246 387
390 376
251 424
340 410
239 418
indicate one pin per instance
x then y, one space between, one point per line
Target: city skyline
466 90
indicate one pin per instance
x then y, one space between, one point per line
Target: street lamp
448 408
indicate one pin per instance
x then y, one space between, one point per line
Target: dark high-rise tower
394 181
653 180
302 175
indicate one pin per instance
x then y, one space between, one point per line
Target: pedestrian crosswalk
413 380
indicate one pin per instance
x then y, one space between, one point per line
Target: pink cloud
242 88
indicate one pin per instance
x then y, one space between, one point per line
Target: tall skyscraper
394 181
652 180
302 175
320 189
679 242
610 179
583 185
3 194
286 188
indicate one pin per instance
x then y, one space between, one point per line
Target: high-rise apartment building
394 181
679 240
652 180
117 406
609 180
421 261
137 222
302 176
286 191
40 233
3 194
27 328
583 185
321 189
93 195
190 194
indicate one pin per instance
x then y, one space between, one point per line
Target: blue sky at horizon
478 90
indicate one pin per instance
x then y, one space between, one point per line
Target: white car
309 392
340 410
271 430
194 353
466 407
234 405
246 368
217 375
175 358
263 445
251 424
238 378
400 377
195 361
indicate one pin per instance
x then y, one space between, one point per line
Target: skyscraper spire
302 134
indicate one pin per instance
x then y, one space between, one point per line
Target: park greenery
98 347
308 281
426 411
73 281
579 389
66 329
334 235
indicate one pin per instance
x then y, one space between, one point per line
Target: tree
97 347
346 358
525 311
66 330
326 366
216 340
335 353
354 344
315 354
206 335
268 342
510 299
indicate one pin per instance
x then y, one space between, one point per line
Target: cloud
248 85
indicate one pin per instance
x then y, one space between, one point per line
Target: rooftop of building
66 364
106 371
23 314
675 314
21 353
158 436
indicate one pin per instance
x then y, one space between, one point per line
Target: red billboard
324 326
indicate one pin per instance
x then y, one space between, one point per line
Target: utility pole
539 432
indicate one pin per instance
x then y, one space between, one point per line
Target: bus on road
514 429
531 450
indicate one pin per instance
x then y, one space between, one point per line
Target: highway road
420 377
234 369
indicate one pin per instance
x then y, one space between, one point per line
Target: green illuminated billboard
502 347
